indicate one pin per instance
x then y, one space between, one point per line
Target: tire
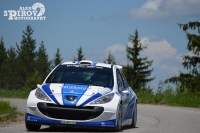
32 127
134 117
119 118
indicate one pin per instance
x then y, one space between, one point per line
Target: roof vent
85 62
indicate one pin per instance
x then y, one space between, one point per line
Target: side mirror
125 92
38 85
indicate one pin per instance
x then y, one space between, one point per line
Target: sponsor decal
106 125
34 12
75 87
84 66
73 91
31 119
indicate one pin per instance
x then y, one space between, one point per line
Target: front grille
68 112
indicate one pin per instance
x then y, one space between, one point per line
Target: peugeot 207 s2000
82 94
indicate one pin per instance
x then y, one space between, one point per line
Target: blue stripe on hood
46 89
78 91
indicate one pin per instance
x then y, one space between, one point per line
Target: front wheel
134 117
32 127
119 118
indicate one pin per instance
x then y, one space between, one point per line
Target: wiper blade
79 83
53 82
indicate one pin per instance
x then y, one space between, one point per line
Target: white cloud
118 47
159 9
157 49
149 10
182 7
119 52
179 58
172 70
166 58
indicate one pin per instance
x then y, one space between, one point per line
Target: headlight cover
41 95
104 99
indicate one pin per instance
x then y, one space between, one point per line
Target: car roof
89 62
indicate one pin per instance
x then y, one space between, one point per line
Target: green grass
13 94
169 97
7 112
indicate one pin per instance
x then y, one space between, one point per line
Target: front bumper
31 119
101 116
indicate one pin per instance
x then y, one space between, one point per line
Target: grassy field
169 97
13 94
7 112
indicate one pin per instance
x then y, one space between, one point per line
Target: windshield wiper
53 82
79 83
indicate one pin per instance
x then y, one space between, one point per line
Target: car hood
73 94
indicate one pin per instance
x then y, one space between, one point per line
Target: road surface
151 119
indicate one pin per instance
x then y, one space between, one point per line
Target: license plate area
68 122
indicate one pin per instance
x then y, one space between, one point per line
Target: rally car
82 94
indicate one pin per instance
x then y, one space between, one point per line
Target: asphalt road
151 119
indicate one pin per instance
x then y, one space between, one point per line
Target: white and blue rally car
82 94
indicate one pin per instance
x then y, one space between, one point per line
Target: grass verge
13 94
169 97
7 112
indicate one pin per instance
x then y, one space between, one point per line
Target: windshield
79 74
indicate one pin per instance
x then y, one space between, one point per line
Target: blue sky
102 25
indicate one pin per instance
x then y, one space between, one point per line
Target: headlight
41 95
104 99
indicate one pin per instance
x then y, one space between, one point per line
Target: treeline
23 67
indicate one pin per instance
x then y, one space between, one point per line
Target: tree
57 58
32 81
42 62
80 55
9 71
3 56
110 58
137 71
26 56
190 80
